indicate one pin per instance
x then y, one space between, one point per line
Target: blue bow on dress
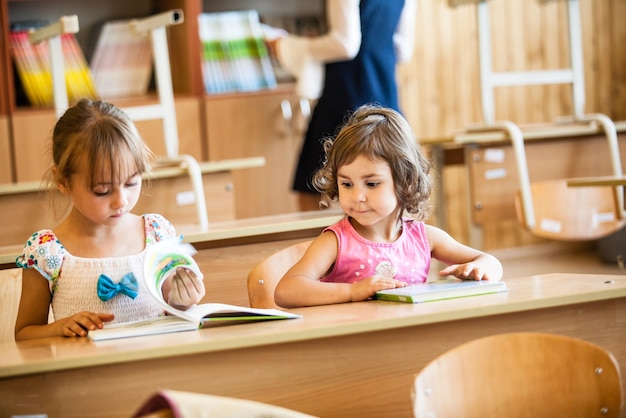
108 289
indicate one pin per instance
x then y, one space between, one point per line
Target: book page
162 260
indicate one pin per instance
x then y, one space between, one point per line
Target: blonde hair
384 134
98 134
97 131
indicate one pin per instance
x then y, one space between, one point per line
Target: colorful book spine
34 70
214 65
122 61
234 56
29 69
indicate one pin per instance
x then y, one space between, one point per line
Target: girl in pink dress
377 174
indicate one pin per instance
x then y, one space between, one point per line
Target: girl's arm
341 42
463 262
300 286
32 316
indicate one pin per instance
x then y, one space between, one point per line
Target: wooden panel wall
441 93
441 85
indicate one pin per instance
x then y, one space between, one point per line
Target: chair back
520 375
264 277
572 213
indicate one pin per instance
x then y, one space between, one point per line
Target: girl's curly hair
379 133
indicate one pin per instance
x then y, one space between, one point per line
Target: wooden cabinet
269 124
32 131
6 163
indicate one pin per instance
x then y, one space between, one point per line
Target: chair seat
572 213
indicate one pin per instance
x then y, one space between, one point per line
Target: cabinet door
32 132
251 125
6 162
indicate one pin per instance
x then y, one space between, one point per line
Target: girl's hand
186 289
467 271
79 324
367 288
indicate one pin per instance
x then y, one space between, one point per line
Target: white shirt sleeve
404 38
304 57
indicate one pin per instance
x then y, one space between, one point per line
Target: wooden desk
236 232
478 176
597 181
346 360
26 207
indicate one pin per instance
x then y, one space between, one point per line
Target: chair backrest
571 213
520 375
264 277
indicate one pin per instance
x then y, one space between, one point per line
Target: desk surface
535 292
374 348
532 132
159 172
219 234
597 181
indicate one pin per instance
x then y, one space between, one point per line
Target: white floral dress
73 280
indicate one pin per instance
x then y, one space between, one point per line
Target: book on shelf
161 261
234 56
441 289
122 61
32 62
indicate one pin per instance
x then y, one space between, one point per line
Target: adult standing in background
352 64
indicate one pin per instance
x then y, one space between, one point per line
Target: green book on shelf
441 289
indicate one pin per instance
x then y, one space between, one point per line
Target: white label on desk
186 198
496 173
494 155
550 225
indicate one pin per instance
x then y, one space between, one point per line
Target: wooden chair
549 209
155 26
264 277
520 375
178 404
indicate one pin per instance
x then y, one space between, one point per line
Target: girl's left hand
467 271
186 289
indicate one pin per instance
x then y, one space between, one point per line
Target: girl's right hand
79 324
367 288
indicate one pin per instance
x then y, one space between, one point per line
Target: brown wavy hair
379 133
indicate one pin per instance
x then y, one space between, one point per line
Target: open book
162 260
441 289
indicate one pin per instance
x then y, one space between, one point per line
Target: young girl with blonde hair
89 267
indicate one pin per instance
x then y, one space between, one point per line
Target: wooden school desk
345 360
597 181
489 170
